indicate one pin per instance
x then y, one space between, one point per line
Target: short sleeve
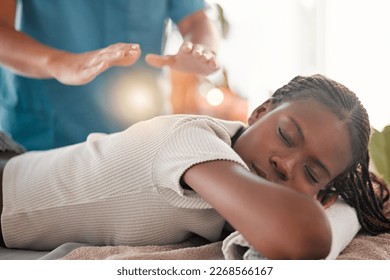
191 143
179 9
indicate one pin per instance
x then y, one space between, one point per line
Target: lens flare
136 97
215 97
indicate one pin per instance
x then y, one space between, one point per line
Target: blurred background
267 43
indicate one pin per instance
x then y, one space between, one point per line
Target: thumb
159 61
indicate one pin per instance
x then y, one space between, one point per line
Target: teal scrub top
44 114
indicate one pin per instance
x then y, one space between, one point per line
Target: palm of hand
191 59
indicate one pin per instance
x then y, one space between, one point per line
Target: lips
260 172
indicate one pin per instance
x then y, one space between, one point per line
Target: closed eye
310 175
285 139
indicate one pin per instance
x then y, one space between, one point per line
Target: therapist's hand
80 69
191 58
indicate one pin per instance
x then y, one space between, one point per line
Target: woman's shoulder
187 120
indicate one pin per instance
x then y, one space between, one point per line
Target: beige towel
346 245
365 247
362 247
195 248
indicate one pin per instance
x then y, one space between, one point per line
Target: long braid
355 185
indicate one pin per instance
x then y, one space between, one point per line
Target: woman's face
299 144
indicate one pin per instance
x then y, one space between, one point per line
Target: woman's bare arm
279 222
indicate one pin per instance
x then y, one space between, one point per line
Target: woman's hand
196 59
79 69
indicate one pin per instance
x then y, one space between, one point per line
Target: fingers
90 73
191 58
197 51
203 54
209 57
117 55
126 49
195 58
78 69
186 47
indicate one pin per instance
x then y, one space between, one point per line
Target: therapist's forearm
204 34
24 55
199 29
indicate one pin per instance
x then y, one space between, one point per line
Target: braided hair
358 187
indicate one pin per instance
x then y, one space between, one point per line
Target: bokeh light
215 97
137 97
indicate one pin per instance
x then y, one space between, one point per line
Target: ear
327 198
260 111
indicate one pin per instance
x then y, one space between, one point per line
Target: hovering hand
191 58
79 69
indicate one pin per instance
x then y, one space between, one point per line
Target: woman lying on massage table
160 181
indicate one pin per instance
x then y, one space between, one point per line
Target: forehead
326 137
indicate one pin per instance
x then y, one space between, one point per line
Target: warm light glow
215 97
136 102
136 97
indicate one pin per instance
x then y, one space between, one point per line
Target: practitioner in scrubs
66 66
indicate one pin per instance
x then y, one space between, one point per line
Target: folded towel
235 247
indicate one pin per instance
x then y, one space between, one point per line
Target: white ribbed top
123 188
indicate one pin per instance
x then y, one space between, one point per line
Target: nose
283 166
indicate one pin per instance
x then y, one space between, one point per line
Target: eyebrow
300 133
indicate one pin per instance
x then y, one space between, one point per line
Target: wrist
52 62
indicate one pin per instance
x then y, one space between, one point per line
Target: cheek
262 147
251 141
264 137
301 186
257 143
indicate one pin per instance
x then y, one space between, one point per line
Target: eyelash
310 175
284 138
